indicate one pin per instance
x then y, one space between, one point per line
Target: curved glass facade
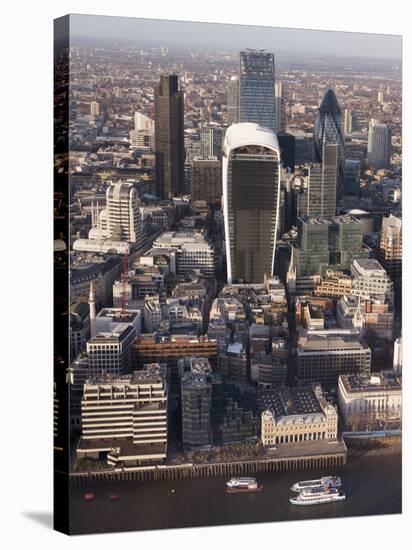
328 126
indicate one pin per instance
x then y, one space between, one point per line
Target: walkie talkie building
251 191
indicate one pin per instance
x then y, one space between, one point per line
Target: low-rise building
292 415
363 399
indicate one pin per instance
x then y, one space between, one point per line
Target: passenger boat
243 485
308 497
327 482
88 496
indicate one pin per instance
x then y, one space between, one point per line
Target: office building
124 418
329 129
232 362
206 180
257 88
233 100
390 246
363 399
318 193
251 194
94 109
348 119
143 123
294 415
196 402
110 352
330 243
323 355
379 145
193 251
287 151
211 142
169 137
397 355
121 221
370 280
351 177
280 114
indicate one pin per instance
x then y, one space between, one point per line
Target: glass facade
257 88
328 243
253 190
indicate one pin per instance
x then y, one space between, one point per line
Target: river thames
372 483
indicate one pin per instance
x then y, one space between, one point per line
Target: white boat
328 482
313 496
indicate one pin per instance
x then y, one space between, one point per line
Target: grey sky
215 35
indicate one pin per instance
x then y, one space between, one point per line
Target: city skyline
236 36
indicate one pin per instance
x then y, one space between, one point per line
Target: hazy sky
215 35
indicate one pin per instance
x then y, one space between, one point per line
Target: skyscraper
379 145
348 122
207 180
122 213
251 192
319 195
169 137
211 142
328 129
233 100
280 108
257 88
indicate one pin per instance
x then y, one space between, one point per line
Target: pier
281 461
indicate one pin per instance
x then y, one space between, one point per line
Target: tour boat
328 482
313 496
243 485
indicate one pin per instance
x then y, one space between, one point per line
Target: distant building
291 415
257 88
211 142
206 181
251 191
169 137
140 400
233 101
390 246
364 399
323 355
329 129
94 109
379 145
351 177
280 114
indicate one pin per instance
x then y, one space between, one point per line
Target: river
372 483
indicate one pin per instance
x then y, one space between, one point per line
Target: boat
114 497
243 485
328 482
88 496
308 497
